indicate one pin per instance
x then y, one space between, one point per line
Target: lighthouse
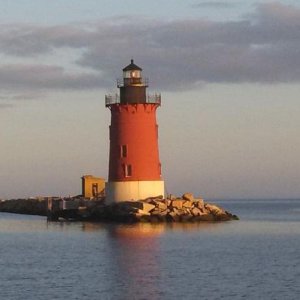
134 165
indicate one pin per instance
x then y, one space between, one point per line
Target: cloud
27 96
5 105
42 77
264 47
214 4
24 95
31 40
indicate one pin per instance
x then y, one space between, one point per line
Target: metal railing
115 99
112 99
155 98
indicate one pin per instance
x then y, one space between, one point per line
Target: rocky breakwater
173 209
156 209
34 206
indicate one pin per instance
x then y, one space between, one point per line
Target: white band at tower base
117 191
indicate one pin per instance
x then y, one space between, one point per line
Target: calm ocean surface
257 257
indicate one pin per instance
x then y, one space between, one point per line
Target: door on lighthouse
95 189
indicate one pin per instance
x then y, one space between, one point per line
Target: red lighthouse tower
134 165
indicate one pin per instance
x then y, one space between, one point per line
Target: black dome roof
132 66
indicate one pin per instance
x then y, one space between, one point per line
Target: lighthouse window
127 170
135 74
123 151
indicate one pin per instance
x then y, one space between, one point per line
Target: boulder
141 212
148 200
223 217
156 211
173 216
181 212
128 206
215 210
147 207
161 205
199 203
188 204
164 212
196 211
188 196
151 200
177 203
187 210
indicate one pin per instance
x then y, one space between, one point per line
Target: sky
228 72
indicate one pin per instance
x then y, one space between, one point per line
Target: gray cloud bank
214 4
5 105
264 47
15 77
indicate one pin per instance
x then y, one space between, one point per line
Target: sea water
257 257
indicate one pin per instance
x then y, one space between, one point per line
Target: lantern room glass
132 74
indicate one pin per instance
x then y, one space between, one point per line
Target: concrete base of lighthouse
117 191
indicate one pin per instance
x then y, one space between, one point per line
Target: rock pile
155 209
173 209
24 206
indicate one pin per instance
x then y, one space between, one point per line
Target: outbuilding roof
132 66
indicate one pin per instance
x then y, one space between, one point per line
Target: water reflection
138 230
204 226
133 231
134 256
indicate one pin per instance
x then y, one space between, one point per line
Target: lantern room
132 73
132 85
